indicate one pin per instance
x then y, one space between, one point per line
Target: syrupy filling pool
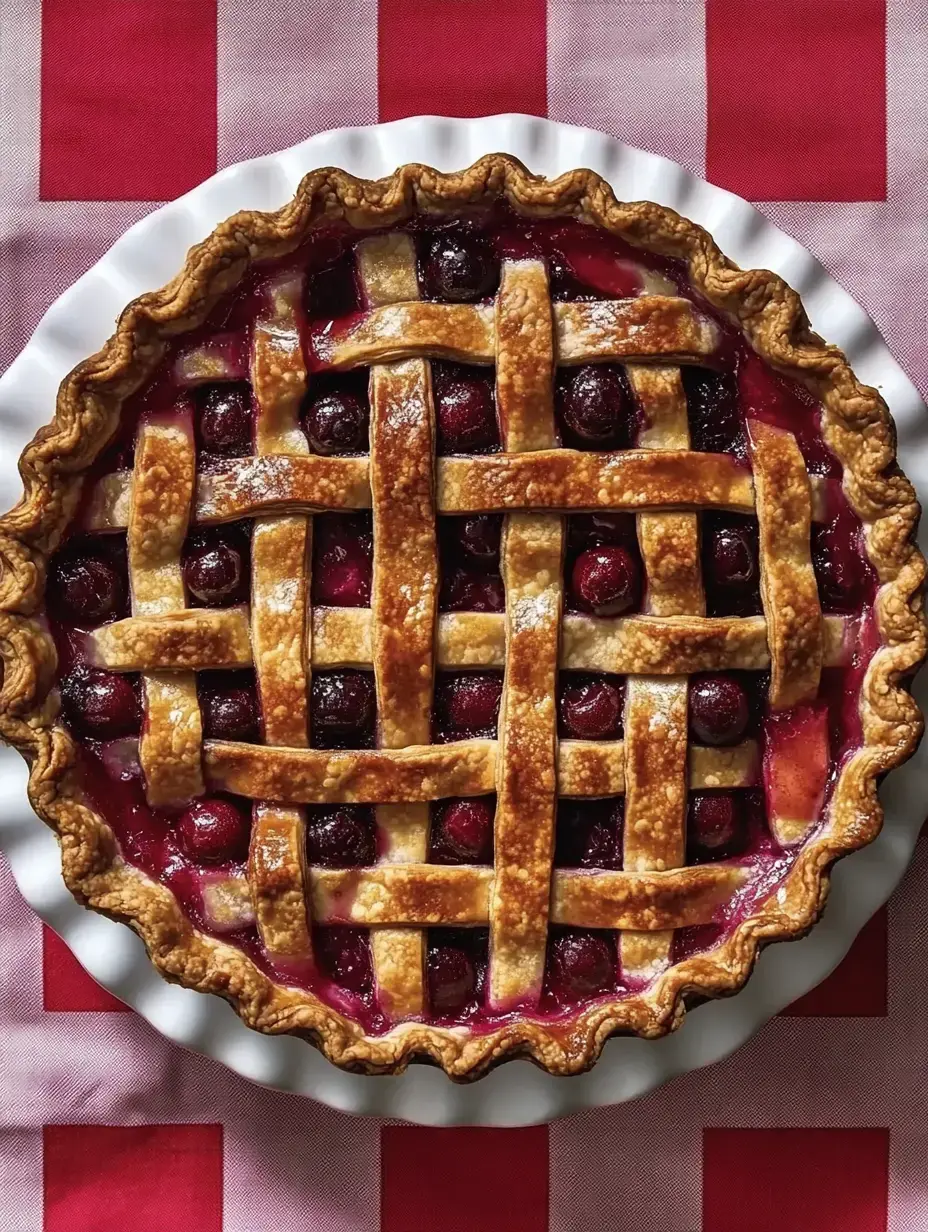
206 842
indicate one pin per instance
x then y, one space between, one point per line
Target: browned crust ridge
856 424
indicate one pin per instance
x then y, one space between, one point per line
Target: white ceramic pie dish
147 256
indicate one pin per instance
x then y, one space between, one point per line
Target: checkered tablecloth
817 109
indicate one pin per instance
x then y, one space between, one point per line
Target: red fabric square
147 1178
65 983
858 987
466 63
463 1180
128 98
795 1180
796 99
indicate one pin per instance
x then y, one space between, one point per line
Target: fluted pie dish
461 616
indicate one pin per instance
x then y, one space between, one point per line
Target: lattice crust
534 483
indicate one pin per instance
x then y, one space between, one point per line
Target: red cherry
461 267
470 703
591 709
463 830
86 590
342 563
595 406
606 581
101 705
229 706
214 831
224 419
336 423
465 410
713 824
452 980
719 711
215 571
341 837
343 707
732 557
580 965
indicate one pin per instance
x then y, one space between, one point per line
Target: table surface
815 109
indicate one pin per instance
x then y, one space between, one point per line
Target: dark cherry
478 539
102 705
714 416
333 292
470 703
606 581
336 422
594 530
224 419
214 831
465 411
713 824
594 405
465 591
839 569
341 837
719 711
87 590
229 709
461 267
589 834
463 830
345 955
580 965
452 980
590 709
732 558
215 572
343 704
342 561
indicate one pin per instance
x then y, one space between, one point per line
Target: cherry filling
462 831
469 553
341 836
465 409
595 407
228 705
343 551
467 705
214 831
589 833
460 267
223 419
580 964
343 708
344 955
102 705
715 416
336 415
590 707
215 567
456 967
332 292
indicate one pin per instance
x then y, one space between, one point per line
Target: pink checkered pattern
816 108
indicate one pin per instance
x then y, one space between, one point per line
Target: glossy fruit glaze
188 848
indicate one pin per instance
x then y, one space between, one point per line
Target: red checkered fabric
818 109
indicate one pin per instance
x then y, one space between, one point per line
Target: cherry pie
461 616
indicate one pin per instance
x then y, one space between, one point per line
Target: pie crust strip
404 596
654 835
280 627
159 513
532 568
